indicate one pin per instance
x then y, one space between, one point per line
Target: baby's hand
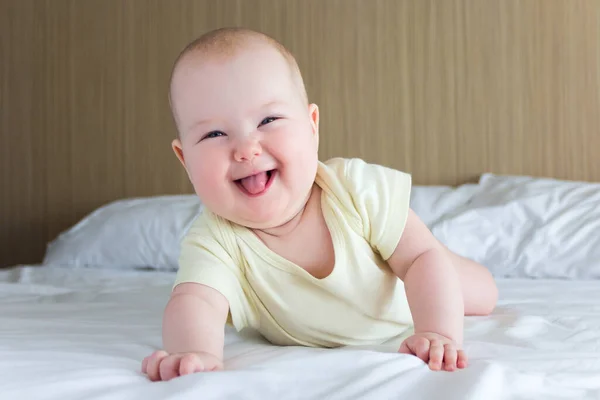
161 365
436 350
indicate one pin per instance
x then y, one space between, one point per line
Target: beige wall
444 89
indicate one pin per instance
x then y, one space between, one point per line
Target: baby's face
248 139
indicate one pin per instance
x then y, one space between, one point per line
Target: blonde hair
226 42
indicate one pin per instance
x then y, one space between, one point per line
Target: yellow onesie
360 303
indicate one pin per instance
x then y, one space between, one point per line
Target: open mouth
257 184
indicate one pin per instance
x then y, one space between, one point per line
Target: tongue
256 183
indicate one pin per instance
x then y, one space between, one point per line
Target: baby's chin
259 215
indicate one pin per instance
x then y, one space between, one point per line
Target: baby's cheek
295 147
206 177
207 182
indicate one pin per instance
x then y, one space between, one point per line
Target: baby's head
247 136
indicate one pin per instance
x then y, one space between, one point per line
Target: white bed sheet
82 333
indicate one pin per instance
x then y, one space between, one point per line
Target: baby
308 253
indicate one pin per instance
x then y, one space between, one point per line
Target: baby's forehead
247 83
264 64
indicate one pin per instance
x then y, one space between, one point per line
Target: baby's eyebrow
196 124
273 103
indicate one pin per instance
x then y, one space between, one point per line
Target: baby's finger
169 368
153 364
461 359
404 349
421 349
417 346
189 364
145 365
450 356
436 355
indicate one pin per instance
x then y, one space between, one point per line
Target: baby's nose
247 150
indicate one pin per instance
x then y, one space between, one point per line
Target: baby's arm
441 287
193 333
479 290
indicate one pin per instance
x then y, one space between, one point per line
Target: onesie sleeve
381 196
204 259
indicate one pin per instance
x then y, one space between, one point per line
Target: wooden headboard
444 89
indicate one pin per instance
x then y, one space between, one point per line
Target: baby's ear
313 111
178 150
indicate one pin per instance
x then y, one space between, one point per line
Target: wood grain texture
443 89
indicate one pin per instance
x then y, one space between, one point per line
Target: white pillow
524 227
432 203
137 233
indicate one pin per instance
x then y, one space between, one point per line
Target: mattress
81 333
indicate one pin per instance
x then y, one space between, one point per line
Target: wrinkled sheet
82 333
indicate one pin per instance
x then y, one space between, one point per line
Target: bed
79 326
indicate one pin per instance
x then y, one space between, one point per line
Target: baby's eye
213 134
267 120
